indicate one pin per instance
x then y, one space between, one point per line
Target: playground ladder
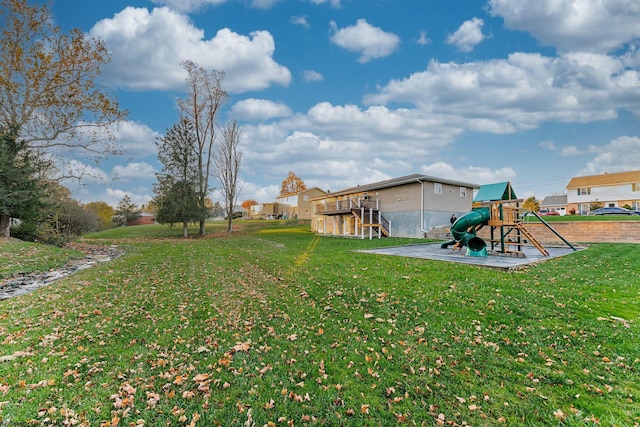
531 239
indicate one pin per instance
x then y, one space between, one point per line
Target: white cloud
189 5
573 25
300 20
311 76
571 150
320 144
263 4
620 155
371 42
520 92
471 174
259 109
148 47
86 173
132 171
113 196
423 39
548 145
136 139
334 3
468 35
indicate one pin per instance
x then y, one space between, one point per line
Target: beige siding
404 198
449 200
305 207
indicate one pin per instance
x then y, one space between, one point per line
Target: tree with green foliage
104 212
20 190
63 217
177 196
178 204
126 211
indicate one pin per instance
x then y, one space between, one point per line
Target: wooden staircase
372 218
523 231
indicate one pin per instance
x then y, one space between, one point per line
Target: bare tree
204 98
47 82
227 161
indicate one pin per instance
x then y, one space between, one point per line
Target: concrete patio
433 251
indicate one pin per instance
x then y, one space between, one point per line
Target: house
555 203
145 218
272 210
299 203
609 189
407 206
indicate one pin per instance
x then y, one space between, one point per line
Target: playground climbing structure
497 207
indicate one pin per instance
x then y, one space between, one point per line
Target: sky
349 92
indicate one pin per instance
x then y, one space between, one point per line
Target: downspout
422 206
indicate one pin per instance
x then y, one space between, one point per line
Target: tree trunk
202 228
185 234
5 229
230 226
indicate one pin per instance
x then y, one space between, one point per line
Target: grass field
275 326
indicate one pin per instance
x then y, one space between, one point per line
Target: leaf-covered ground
18 257
275 326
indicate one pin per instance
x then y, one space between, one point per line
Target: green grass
18 257
272 325
579 218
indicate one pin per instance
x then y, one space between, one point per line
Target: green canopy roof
493 192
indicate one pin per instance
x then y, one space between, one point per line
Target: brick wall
582 231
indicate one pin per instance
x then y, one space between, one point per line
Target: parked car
547 212
614 211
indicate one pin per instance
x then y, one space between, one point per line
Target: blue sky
347 92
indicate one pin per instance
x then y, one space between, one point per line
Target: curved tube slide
460 230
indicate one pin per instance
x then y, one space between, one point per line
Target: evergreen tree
177 197
126 211
20 192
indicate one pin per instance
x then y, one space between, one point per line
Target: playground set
496 206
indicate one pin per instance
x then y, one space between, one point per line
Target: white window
305 198
584 191
463 191
635 186
437 188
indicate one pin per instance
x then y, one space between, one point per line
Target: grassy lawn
18 257
274 326
578 218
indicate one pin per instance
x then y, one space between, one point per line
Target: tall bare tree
227 159
48 92
204 98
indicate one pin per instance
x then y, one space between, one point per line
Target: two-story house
299 204
608 189
407 206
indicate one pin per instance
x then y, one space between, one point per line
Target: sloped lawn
275 326
18 257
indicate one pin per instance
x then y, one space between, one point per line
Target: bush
25 230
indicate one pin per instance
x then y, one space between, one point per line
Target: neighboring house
299 204
609 189
272 210
555 203
407 206
145 218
